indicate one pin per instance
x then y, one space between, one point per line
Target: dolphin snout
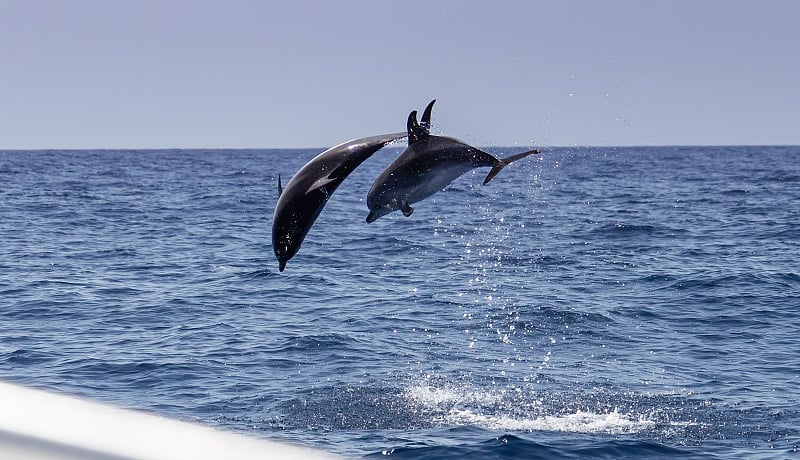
374 214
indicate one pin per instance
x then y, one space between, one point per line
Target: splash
513 409
432 397
579 422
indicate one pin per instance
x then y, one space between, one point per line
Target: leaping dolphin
427 166
303 198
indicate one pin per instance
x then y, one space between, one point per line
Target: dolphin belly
436 180
401 186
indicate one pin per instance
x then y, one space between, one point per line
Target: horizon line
140 149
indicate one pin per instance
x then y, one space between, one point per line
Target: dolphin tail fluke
502 163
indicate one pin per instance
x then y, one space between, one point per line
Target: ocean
632 302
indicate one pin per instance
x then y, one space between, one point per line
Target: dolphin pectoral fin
320 183
502 163
280 186
345 168
407 210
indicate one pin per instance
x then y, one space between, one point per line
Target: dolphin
303 198
427 166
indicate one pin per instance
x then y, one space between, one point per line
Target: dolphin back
502 163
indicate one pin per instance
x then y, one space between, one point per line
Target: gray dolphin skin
427 166
303 198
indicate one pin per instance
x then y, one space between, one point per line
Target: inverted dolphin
300 203
427 166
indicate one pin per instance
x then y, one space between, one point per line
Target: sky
294 74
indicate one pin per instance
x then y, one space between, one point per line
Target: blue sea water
588 303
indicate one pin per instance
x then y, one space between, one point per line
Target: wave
625 230
508 446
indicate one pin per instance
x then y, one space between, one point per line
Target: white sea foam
432 397
578 422
502 410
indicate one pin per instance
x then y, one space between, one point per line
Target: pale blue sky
207 74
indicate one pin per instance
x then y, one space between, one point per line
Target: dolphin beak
281 265
372 217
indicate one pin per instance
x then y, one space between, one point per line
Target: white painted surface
36 424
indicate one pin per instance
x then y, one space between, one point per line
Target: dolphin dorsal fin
280 186
414 129
418 131
425 123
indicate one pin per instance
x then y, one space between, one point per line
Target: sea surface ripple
638 302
